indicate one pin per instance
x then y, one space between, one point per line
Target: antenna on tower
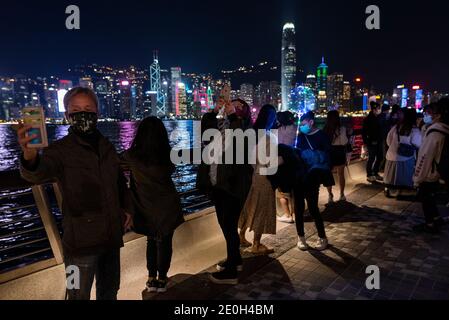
155 55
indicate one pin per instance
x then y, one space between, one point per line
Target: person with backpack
314 146
403 141
433 165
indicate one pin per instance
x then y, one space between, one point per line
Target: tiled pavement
368 230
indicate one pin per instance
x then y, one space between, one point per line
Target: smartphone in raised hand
35 118
225 97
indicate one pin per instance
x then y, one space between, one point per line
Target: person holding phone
86 167
227 185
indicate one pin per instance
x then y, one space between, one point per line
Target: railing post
40 196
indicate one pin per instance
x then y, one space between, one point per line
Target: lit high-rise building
247 93
268 92
104 99
288 64
335 84
86 82
175 80
311 82
6 98
321 78
158 86
347 98
181 99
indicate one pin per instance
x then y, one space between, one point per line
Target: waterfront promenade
368 230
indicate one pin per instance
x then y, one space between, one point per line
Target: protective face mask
305 129
428 119
83 122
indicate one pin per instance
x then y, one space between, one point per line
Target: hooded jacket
430 154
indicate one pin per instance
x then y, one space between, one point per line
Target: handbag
404 149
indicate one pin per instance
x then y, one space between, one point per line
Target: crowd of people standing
101 203
413 148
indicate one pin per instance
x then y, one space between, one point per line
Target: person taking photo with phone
86 167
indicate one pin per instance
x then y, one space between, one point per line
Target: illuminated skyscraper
86 82
181 99
175 80
156 85
288 67
311 82
334 94
321 78
247 93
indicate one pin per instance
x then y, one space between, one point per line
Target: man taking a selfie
86 167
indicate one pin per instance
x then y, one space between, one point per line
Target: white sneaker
331 199
321 244
343 198
302 244
285 219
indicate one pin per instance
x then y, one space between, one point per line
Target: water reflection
121 135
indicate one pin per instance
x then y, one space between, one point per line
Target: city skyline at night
409 47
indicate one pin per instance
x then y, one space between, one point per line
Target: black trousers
159 254
309 190
427 191
104 267
375 157
228 210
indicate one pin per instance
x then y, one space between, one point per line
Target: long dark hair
151 145
408 123
266 114
285 119
245 114
333 124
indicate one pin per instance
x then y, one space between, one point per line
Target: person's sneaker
162 285
221 266
330 199
379 178
302 244
343 198
427 228
152 285
372 179
224 277
285 219
321 244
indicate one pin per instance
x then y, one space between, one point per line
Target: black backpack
443 165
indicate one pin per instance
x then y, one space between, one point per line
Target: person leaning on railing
86 166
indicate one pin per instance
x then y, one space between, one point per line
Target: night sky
208 36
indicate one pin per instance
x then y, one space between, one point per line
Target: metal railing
30 231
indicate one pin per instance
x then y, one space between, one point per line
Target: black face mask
83 122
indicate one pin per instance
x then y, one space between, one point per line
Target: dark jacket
315 151
157 208
235 179
384 123
371 131
290 171
93 190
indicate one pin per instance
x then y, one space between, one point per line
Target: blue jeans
104 267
